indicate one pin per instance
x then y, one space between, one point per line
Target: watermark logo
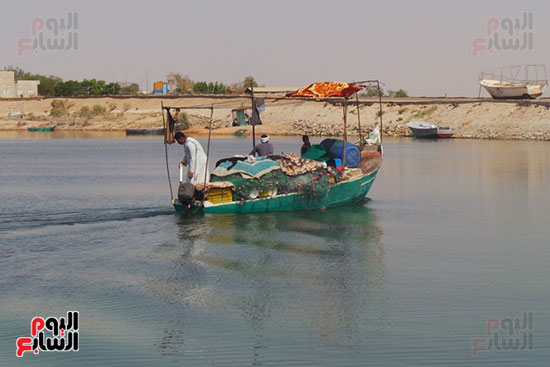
64 337
507 335
51 35
506 34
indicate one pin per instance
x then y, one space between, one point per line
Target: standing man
264 148
194 159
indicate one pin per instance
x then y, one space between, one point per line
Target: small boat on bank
239 132
145 131
515 82
427 130
421 129
41 128
445 132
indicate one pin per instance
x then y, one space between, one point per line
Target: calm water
456 232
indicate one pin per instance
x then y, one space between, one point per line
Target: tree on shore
399 93
180 83
92 87
372 91
131 89
240 87
210 88
249 81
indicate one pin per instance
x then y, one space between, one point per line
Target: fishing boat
422 129
145 131
42 128
239 132
515 82
287 182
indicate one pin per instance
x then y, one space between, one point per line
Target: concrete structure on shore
10 88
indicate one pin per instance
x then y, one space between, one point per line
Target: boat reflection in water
318 276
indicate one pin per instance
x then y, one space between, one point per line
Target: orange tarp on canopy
327 89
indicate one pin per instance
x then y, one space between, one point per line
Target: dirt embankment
472 119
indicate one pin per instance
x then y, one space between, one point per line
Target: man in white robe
194 158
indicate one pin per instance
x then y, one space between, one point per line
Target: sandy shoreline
472 119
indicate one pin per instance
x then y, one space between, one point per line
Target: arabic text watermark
51 35
506 34
507 335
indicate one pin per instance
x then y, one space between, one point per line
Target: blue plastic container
335 148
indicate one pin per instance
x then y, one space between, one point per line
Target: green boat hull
45 128
343 193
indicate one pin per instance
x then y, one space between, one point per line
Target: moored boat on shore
427 130
145 131
445 132
41 128
422 129
515 82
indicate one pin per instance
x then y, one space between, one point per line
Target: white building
9 88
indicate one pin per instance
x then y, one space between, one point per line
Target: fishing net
311 184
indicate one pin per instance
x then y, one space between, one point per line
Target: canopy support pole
252 114
208 151
380 109
361 144
345 131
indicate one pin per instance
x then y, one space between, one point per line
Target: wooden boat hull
345 192
144 131
445 136
44 128
502 90
424 133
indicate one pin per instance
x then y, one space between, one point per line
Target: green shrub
422 113
401 93
183 121
85 112
59 108
401 110
98 110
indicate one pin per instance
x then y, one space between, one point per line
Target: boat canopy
326 90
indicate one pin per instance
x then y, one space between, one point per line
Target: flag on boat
327 89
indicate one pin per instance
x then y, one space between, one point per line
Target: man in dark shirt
264 148
306 145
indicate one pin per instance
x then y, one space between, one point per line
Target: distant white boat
506 82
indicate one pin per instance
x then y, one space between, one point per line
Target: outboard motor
186 193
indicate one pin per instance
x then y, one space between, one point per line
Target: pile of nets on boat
275 175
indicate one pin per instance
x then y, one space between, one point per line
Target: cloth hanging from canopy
327 89
170 129
259 107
